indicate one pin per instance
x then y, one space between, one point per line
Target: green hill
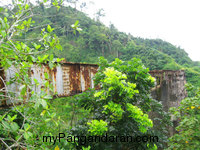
96 40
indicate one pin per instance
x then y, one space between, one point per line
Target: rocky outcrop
169 88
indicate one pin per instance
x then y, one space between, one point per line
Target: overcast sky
175 21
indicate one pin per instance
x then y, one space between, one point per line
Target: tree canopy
96 39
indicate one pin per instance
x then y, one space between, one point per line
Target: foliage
21 126
115 110
139 117
97 127
121 107
188 130
98 40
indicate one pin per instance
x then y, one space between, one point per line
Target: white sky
175 21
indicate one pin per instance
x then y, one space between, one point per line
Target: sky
175 21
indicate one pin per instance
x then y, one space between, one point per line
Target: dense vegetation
123 106
96 40
188 112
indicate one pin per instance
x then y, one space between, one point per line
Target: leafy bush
188 130
121 107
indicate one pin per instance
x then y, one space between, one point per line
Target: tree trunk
102 48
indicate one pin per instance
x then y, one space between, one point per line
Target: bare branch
5 144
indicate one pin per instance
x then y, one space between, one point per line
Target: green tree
21 126
98 40
117 46
100 13
122 105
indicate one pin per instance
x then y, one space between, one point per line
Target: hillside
37 101
96 40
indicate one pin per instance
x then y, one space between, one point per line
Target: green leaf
27 135
14 126
17 137
22 89
43 112
27 126
38 46
45 57
48 97
58 59
1 9
26 6
49 29
47 120
43 103
3 23
51 57
3 33
46 75
14 117
76 23
56 123
51 65
9 118
2 117
36 81
5 20
5 124
58 46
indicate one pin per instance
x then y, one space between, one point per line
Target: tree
21 126
73 2
117 46
120 107
100 13
97 39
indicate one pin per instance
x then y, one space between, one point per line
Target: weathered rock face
170 90
170 87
